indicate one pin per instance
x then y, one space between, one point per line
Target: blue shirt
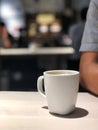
90 35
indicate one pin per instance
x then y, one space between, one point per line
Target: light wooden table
28 111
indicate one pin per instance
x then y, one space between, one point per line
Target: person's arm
89 71
5 37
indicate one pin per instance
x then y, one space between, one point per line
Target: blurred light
43 28
12 15
47 18
55 28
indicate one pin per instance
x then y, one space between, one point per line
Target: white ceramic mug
61 89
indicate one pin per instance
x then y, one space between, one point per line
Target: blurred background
30 25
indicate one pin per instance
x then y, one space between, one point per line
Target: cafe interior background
36 24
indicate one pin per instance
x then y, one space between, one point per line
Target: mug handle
40 86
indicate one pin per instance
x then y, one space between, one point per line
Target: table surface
28 111
37 51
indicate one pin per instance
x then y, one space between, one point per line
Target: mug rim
74 72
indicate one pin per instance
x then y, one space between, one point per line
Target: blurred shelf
37 51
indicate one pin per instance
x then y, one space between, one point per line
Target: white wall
30 5
44 5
